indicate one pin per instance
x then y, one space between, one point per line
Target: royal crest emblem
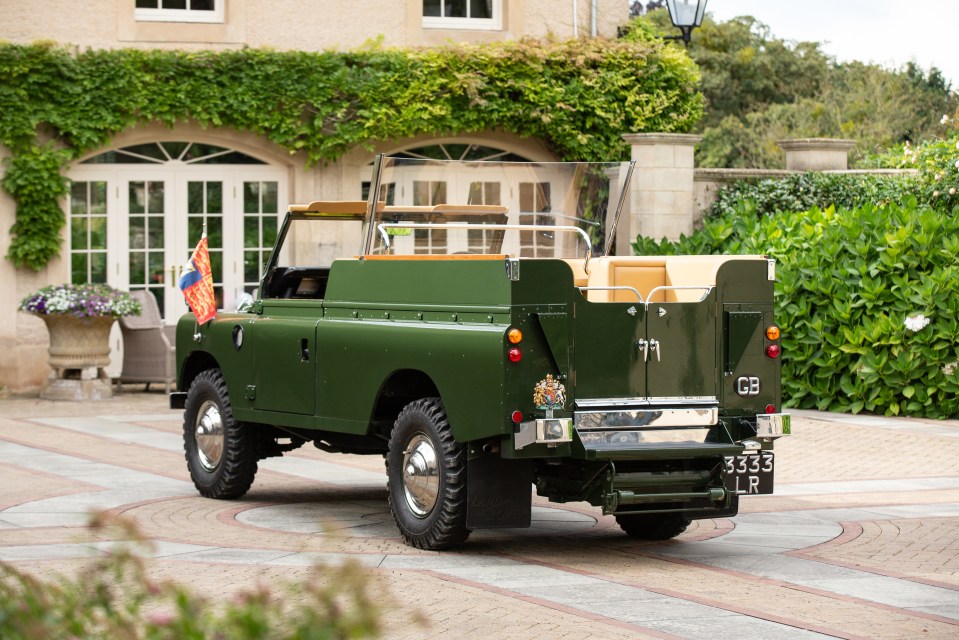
549 394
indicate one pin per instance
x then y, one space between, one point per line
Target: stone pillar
816 154
661 198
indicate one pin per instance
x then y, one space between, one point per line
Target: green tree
760 89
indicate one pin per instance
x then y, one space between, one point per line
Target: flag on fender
196 283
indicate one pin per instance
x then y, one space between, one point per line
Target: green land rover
471 323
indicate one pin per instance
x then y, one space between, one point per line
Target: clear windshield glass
519 209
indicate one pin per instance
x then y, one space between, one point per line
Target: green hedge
847 281
579 96
802 191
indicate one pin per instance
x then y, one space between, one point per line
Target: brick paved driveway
861 539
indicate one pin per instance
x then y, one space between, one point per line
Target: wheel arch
193 365
400 388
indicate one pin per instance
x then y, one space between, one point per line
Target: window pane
202 5
214 197
269 232
476 193
147 4
156 197
455 8
137 192
216 265
214 232
155 233
543 197
251 197
98 233
78 233
526 197
481 8
156 267
194 197
174 4
174 149
439 193
251 231
137 232
98 267
493 193
78 197
149 149
78 268
98 198
431 8
194 227
421 193
269 197
251 266
137 273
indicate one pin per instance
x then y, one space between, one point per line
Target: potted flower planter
79 318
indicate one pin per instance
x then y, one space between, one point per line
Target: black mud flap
499 493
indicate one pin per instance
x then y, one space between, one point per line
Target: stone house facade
132 203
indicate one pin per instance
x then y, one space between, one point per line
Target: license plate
750 473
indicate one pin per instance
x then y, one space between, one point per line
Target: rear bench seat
645 273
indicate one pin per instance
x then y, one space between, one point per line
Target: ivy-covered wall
579 96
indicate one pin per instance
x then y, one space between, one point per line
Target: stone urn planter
79 352
78 319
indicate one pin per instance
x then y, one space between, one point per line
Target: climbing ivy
579 96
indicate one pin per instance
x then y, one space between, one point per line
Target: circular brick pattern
372 519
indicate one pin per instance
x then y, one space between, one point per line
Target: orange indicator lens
514 335
772 332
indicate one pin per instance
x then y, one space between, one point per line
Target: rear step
679 489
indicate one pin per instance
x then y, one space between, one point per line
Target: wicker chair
148 352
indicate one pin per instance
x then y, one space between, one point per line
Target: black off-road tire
429 507
653 526
226 474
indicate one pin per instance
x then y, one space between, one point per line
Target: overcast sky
887 32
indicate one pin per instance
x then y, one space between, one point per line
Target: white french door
155 216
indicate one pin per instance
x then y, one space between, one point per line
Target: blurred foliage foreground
113 598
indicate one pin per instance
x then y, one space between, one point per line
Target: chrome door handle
642 345
654 347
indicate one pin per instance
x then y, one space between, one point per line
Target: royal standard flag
196 283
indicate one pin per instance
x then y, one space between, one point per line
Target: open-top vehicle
470 323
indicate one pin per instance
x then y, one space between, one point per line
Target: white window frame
182 15
478 24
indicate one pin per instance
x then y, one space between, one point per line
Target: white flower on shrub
917 323
935 194
952 191
944 120
950 368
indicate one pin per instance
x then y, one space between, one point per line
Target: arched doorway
136 213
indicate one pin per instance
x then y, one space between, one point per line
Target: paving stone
571 575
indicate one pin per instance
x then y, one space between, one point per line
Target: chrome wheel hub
209 435
421 479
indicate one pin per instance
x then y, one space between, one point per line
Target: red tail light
514 355
773 351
